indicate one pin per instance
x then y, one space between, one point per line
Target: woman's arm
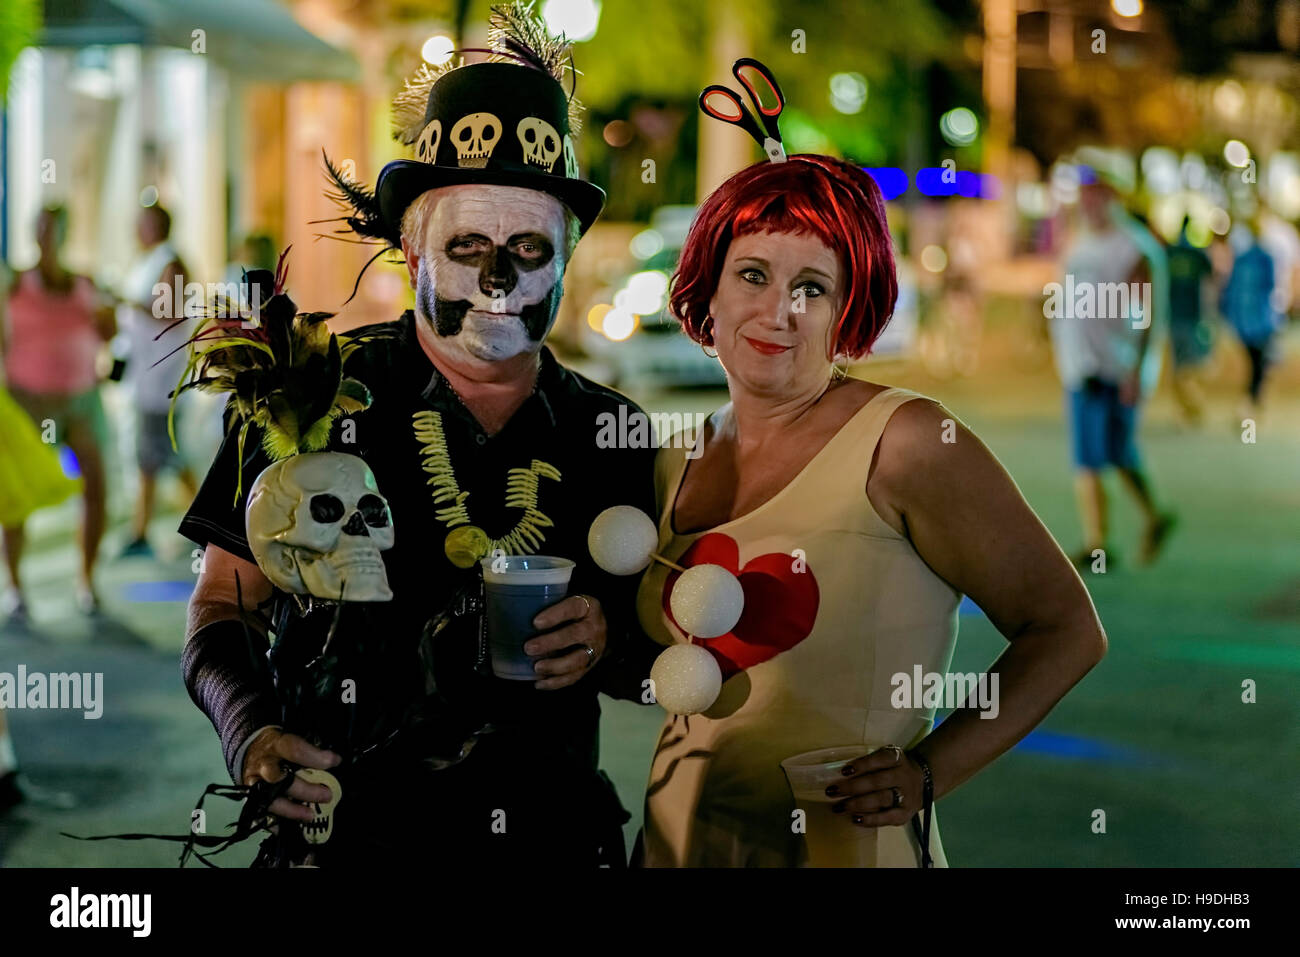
161 306
101 308
968 521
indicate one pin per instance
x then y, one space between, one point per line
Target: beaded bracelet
927 802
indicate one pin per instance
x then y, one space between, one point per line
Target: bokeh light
596 315
959 126
618 324
848 92
644 293
437 49
934 259
1236 153
576 19
646 243
617 133
1160 170
1230 99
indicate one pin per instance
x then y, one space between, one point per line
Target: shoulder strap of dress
875 415
861 434
670 466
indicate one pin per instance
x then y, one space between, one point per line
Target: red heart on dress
780 602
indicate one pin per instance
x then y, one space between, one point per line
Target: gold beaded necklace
466 543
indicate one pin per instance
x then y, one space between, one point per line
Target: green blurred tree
20 21
660 53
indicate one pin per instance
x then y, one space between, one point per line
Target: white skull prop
321 826
316 524
426 148
570 158
475 136
540 142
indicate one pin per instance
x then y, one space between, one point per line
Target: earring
839 374
706 334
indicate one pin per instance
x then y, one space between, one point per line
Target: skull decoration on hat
315 520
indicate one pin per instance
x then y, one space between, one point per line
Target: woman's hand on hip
883 789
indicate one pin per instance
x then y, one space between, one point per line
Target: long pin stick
663 561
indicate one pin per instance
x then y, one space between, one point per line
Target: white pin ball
622 539
686 679
707 601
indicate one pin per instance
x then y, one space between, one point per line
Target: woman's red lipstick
767 348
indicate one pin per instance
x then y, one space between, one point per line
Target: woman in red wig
855 516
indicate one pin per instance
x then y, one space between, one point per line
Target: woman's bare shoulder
920 429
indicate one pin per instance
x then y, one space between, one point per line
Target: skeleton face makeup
491 268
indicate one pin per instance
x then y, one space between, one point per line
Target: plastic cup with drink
516 588
832 840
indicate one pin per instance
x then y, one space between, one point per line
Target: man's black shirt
552 732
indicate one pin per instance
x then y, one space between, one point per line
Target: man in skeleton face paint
481 443
488 271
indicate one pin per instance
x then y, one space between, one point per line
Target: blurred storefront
205 107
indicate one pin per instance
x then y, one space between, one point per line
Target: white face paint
491 266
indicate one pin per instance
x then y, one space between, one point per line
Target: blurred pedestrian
1190 331
155 363
1249 306
257 251
1100 358
1281 241
57 321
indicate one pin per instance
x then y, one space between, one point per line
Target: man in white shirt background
151 373
1101 358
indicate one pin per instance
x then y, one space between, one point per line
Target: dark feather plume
360 206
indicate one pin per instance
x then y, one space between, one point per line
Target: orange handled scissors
723 104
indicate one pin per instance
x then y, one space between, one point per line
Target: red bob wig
833 200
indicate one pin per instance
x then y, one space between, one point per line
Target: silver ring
898 798
898 752
586 602
591 654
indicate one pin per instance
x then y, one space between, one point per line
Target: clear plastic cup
829 837
515 589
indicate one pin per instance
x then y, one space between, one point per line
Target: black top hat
505 124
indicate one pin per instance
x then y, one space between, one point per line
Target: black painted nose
497 277
356 526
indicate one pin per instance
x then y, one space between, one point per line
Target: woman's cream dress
836 604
